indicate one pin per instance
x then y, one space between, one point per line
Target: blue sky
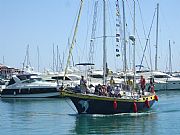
43 23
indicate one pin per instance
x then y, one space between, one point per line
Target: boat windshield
2 82
97 76
74 78
60 78
67 78
161 76
29 81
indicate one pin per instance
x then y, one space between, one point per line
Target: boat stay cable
147 40
136 31
71 106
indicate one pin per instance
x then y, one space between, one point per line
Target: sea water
58 116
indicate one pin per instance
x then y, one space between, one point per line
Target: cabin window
161 76
96 76
11 82
60 78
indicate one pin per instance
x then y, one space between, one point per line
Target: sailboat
124 102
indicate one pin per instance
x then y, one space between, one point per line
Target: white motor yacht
29 86
162 81
96 77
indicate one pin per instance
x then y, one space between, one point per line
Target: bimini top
85 64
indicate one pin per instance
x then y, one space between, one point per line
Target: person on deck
143 84
112 82
151 86
83 85
129 83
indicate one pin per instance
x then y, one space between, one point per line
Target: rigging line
110 14
71 32
141 18
141 47
137 32
73 40
121 31
99 20
110 10
147 39
38 58
87 31
24 61
128 31
130 62
71 106
150 55
93 33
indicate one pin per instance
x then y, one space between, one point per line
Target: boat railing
123 91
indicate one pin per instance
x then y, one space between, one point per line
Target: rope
73 40
67 101
141 18
137 30
71 106
84 55
147 39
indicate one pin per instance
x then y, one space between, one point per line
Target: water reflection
27 100
115 124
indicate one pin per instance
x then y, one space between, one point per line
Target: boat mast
134 51
73 40
38 56
3 60
132 38
57 65
53 58
104 44
157 36
27 53
170 63
124 27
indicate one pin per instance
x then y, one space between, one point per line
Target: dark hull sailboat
94 104
98 104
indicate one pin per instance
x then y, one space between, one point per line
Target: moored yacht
29 86
162 81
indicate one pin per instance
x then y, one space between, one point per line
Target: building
7 72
